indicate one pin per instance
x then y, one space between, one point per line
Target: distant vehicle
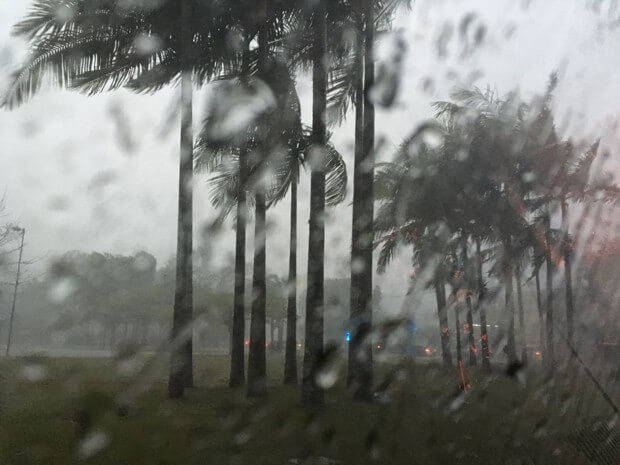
424 351
534 352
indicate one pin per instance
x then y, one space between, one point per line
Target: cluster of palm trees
473 192
252 138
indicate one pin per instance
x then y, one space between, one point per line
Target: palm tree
237 337
335 191
93 50
312 393
351 80
181 373
412 204
360 348
257 362
574 183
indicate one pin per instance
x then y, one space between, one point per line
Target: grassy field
104 412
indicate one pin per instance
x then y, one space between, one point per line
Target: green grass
424 421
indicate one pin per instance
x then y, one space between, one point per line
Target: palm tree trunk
444 329
290 356
522 334
311 392
353 346
237 369
541 316
484 336
257 363
237 345
549 306
272 334
181 372
360 349
473 359
457 324
256 358
511 350
570 309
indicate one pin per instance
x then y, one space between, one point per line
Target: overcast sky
74 182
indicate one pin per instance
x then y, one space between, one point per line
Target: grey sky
70 181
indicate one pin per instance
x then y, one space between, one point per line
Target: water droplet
92 444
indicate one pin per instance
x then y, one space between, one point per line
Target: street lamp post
19 265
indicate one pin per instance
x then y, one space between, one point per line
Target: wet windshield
309 232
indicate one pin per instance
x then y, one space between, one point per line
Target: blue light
347 336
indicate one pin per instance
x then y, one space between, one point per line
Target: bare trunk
290 356
181 372
311 392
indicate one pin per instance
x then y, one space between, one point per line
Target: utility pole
19 265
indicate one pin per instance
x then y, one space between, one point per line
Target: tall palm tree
237 337
95 49
360 348
574 183
312 393
412 204
257 362
352 78
335 191
181 373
